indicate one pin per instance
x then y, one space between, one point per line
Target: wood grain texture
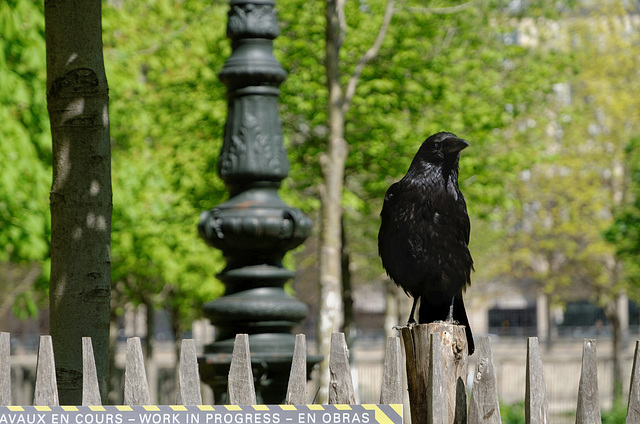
340 383
633 408
188 375
437 399
5 369
484 407
46 391
391 390
453 341
536 407
90 387
297 387
588 408
241 389
136 387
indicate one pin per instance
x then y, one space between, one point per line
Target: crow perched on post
424 233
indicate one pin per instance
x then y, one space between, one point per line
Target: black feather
424 233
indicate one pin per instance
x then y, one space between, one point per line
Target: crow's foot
410 324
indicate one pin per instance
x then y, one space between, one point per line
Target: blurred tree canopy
533 177
168 111
25 152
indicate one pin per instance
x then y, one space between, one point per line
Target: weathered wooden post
46 391
90 385
588 408
340 383
484 407
188 376
136 386
241 387
254 228
453 354
5 369
633 407
297 387
391 390
536 407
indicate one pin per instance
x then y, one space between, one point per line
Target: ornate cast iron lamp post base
254 228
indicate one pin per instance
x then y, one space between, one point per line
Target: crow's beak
457 145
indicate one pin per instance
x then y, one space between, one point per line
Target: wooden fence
482 407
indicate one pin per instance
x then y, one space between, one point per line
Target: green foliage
534 176
624 232
616 415
512 413
167 114
25 150
611 85
434 72
570 182
608 124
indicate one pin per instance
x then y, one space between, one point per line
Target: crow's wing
423 239
404 240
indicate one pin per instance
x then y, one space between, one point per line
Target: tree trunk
612 314
333 164
391 312
77 100
349 324
148 347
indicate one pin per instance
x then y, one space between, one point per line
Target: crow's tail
460 315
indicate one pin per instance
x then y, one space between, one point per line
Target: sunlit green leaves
24 151
167 115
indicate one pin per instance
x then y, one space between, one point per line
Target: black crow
424 233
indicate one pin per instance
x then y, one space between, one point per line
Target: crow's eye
436 145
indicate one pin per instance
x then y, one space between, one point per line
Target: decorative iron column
254 228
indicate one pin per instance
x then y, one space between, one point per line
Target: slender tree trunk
349 324
612 314
333 164
77 100
333 167
148 346
112 380
391 313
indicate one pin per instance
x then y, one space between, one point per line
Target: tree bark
349 324
81 204
333 168
612 314
333 164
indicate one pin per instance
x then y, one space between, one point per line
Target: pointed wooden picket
241 389
633 407
90 387
536 407
188 375
588 408
484 407
436 405
391 390
46 391
136 387
5 369
340 383
297 387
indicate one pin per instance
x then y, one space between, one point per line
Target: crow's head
440 148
